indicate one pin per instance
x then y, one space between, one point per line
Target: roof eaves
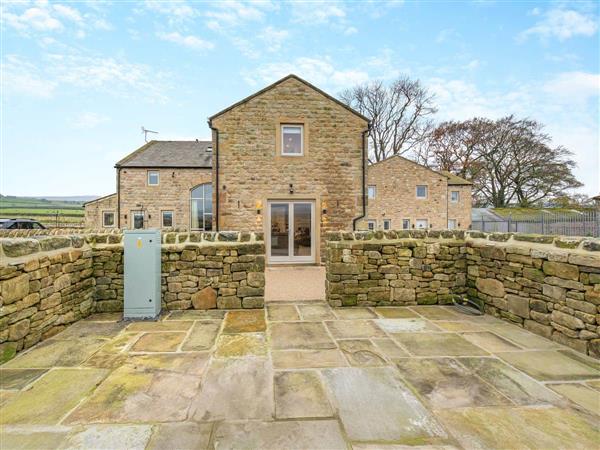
134 153
98 199
272 85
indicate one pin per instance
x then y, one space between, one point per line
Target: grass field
48 212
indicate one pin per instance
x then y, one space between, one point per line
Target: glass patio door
291 231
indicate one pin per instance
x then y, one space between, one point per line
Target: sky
79 79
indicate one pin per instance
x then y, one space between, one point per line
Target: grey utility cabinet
142 274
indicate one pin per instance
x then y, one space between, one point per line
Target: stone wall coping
15 250
561 243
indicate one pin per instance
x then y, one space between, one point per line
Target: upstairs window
371 191
153 178
201 207
422 191
292 140
454 196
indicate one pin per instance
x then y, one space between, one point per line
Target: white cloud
562 24
230 14
39 19
68 13
273 38
317 13
20 77
189 41
88 120
321 72
574 86
177 11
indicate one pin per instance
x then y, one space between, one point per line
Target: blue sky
80 78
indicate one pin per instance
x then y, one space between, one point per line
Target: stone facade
252 170
171 194
395 268
395 181
49 282
549 285
94 212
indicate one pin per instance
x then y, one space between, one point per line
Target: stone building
405 195
288 161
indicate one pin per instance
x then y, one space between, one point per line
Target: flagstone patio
300 376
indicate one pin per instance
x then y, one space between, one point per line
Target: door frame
313 232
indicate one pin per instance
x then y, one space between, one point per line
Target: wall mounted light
324 207
258 206
291 188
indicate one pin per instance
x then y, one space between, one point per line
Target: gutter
216 166
364 177
118 197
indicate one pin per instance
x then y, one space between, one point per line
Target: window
454 196
167 219
387 224
371 224
451 224
405 224
36 226
153 178
138 219
292 142
422 223
422 191
108 219
201 207
371 191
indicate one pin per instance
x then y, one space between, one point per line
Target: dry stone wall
549 285
48 282
395 267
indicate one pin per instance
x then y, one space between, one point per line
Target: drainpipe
364 177
118 197
216 163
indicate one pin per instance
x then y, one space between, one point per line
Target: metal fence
576 223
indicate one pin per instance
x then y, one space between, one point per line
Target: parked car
21 224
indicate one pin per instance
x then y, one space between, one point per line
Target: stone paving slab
300 335
439 313
184 363
362 352
289 435
580 394
550 366
437 344
19 378
521 337
180 435
245 344
307 359
408 325
393 312
86 329
300 394
134 395
249 321
159 342
57 353
354 313
235 389
490 342
374 405
348 329
26 439
389 348
192 314
114 437
285 313
315 312
444 383
175 325
203 335
457 326
520 428
51 397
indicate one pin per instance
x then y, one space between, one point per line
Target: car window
14 226
36 226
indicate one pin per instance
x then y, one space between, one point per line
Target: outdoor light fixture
324 207
258 206
291 188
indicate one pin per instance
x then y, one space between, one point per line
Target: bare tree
400 115
508 160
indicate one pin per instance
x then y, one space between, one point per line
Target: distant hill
51 211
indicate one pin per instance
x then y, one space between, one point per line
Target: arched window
201 207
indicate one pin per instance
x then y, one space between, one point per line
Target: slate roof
455 180
170 154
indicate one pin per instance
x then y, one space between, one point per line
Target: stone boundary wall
48 282
395 268
550 285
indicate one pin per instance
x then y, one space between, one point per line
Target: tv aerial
145 133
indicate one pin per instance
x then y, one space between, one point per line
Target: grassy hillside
48 212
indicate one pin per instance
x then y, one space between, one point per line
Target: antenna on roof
145 133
